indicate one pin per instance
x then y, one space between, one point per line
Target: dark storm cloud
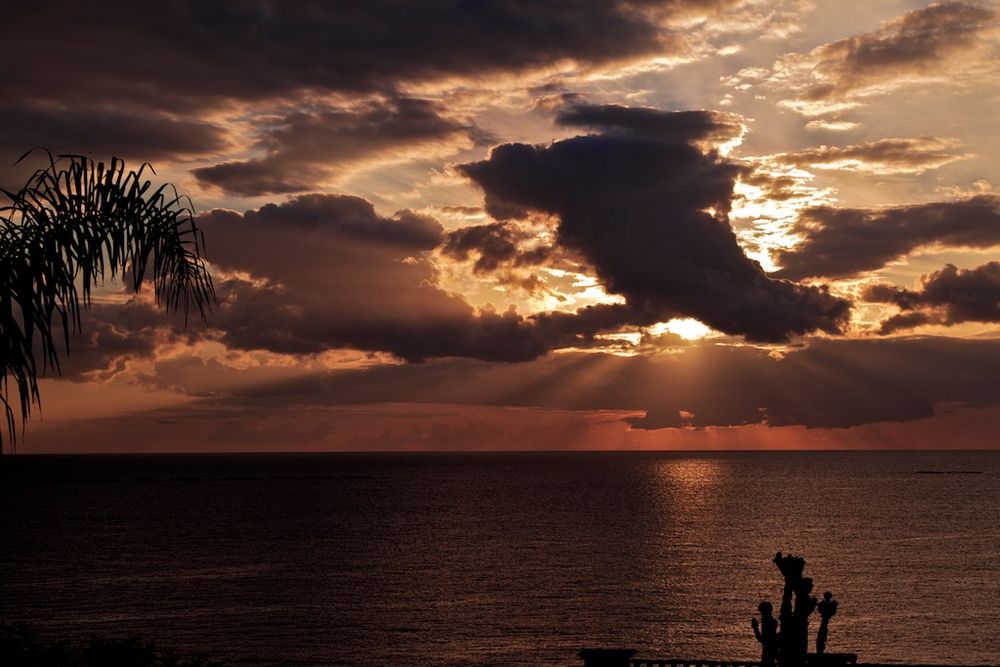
845 242
342 216
648 210
191 53
136 80
328 272
493 245
830 383
323 272
102 133
666 126
414 324
918 42
303 148
579 329
113 334
146 137
912 155
949 296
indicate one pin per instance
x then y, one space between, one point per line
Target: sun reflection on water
694 474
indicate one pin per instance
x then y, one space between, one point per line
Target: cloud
102 133
885 156
777 186
949 296
918 45
113 334
834 384
582 328
827 384
326 272
198 53
842 242
648 210
416 323
151 82
322 272
831 125
494 245
654 124
305 148
147 137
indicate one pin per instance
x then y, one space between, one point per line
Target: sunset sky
677 224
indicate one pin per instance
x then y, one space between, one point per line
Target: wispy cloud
884 156
945 41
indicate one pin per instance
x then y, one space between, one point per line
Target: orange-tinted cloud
327 272
828 384
939 41
305 149
884 156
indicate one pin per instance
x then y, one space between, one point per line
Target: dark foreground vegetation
19 646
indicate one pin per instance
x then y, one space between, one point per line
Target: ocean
501 559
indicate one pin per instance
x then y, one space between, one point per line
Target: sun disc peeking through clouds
687 328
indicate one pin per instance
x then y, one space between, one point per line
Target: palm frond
74 224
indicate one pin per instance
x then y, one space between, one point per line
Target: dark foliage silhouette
19 645
74 223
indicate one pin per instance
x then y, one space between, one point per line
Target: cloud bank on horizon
701 213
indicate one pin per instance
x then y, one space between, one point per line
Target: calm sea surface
501 559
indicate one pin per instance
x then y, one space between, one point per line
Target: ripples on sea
501 559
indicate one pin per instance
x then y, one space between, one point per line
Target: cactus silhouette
785 641
766 633
827 608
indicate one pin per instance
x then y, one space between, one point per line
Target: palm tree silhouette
74 223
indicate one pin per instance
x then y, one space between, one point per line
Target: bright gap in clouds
686 327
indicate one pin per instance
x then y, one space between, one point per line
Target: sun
686 327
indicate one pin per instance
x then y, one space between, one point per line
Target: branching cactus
790 646
827 608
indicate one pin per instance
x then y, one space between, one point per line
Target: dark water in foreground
501 559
